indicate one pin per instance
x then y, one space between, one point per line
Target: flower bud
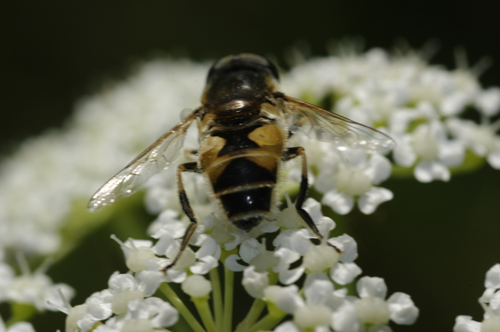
196 286
320 258
137 259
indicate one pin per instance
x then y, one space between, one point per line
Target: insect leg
291 153
187 167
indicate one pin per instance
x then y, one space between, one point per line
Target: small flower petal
344 273
466 324
426 171
371 287
493 277
288 299
348 246
403 310
369 202
232 263
255 282
339 202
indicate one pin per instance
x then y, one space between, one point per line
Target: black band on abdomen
243 172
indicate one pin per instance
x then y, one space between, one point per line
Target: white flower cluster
40 183
30 290
127 305
35 289
416 104
323 303
490 301
324 309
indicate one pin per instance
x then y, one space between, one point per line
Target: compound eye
261 61
274 71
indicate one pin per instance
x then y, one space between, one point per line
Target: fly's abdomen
242 166
250 197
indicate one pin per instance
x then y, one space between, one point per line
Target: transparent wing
334 128
157 157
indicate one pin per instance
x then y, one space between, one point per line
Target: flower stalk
227 321
253 315
217 298
179 305
205 313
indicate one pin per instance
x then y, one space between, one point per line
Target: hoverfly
244 123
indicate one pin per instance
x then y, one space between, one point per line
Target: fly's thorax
239 113
242 166
229 115
244 84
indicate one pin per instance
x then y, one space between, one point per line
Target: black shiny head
244 61
244 77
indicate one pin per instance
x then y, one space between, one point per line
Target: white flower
123 290
351 176
315 310
35 288
254 253
481 139
344 273
320 258
291 244
137 253
488 101
466 324
431 149
98 305
371 309
169 232
493 277
255 282
77 317
148 315
7 276
490 301
157 311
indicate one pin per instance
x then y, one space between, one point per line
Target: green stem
183 310
227 322
217 297
267 323
252 316
201 304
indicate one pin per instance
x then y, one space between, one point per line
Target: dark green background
433 241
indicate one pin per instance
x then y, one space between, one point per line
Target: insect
244 123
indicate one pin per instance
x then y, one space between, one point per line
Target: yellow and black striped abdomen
242 166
